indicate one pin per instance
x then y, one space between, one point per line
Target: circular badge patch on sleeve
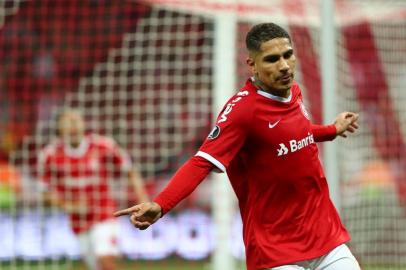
214 133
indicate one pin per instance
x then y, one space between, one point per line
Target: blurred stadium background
142 72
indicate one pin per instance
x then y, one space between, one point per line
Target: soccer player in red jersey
264 140
76 169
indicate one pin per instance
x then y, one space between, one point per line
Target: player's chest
91 163
275 125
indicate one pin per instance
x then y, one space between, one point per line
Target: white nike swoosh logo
274 124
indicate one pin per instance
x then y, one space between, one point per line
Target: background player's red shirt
83 174
267 147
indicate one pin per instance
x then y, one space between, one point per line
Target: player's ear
251 63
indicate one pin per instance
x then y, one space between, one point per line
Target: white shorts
339 258
100 240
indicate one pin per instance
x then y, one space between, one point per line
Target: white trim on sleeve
212 160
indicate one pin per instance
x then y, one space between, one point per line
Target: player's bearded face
71 128
274 65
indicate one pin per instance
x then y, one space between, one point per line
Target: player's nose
283 65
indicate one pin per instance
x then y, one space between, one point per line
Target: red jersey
266 145
82 174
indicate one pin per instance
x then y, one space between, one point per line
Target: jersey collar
273 97
79 151
276 98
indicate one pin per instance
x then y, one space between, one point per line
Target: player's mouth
285 79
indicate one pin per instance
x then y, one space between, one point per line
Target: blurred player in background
76 169
264 140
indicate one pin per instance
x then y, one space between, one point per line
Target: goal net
141 74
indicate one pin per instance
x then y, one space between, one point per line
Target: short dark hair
264 32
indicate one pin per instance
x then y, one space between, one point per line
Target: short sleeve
229 133
112 153
120 158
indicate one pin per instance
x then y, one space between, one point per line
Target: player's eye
288 54
271 58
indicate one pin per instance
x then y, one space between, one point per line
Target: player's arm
324 133
53 198
186 179
219 148
123 164
49 197
134 177
344 122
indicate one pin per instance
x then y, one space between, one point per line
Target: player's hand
346 121
142 215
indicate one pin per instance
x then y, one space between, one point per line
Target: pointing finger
127 211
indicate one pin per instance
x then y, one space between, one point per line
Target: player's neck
284 93
74 145
76 149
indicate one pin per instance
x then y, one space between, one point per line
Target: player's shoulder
247 93
101 141
237 108
296 91
244 97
